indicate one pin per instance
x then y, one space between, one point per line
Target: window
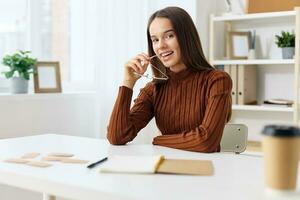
54 30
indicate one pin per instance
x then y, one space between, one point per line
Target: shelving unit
229 21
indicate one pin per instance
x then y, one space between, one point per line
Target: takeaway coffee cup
281 156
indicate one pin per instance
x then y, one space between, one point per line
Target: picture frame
239 44
47 77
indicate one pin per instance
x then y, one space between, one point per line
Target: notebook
156 164
132 164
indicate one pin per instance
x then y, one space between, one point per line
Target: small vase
251 54
288 52
19 85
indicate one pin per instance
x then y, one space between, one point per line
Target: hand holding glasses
165 77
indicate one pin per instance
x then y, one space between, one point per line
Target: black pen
96 163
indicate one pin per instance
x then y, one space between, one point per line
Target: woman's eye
169 36
154 40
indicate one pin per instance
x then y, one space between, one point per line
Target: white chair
234 138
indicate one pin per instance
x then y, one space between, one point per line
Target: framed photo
47 78
239 44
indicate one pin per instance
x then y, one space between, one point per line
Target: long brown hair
188 39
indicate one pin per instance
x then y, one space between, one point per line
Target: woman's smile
166 55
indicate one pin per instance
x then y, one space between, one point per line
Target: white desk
235 177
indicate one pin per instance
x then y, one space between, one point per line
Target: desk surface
235 176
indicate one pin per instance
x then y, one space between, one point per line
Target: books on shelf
232 71
244 87
156 164
243 83
246 84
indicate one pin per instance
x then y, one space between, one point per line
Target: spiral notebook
156 164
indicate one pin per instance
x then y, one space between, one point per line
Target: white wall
202 21
71 114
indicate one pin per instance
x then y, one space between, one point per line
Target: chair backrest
234 138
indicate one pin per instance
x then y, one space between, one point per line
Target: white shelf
254 62
262 108
254 16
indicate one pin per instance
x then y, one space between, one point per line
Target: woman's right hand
135 66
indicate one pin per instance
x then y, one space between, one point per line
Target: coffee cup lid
282 131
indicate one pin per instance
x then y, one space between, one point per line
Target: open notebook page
132 164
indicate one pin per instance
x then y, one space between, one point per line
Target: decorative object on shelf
259 6
235 7
21 66
239 43
282 102
252 54
286 41
229 8
47 78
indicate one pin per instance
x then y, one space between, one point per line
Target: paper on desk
30 155
132 164
186 167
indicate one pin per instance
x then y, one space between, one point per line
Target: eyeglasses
148 76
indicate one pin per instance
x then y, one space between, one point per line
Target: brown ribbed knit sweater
190 109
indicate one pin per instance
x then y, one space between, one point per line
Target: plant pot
19 85
288 52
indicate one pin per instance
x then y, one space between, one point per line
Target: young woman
190 100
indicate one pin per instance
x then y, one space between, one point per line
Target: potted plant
286 41
20 67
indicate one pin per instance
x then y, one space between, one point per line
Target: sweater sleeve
124 122
207 136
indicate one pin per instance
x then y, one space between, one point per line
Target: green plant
21 63
286 39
